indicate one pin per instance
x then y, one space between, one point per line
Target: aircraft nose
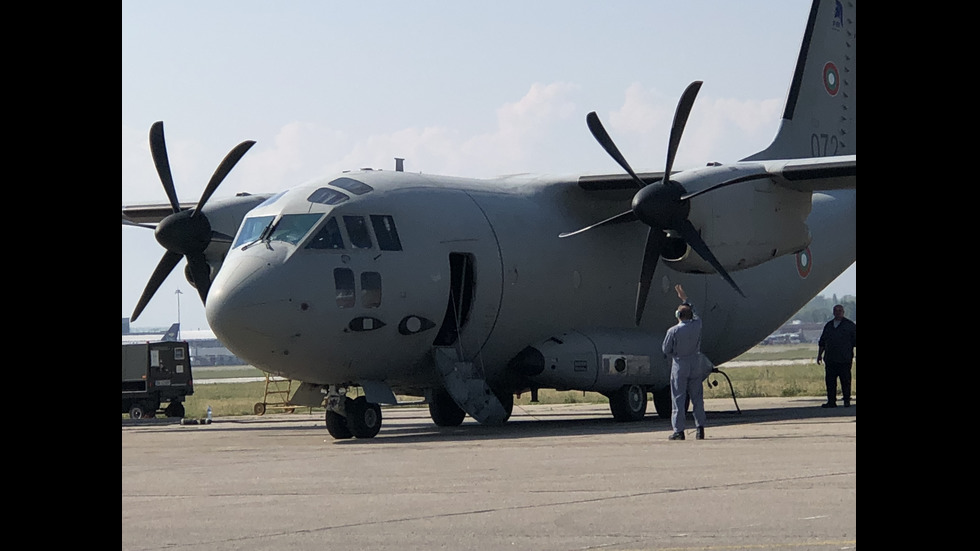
243 305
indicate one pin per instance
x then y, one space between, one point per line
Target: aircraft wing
137 215
813 174
816 174
612 182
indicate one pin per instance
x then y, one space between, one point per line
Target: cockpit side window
343 279
358 232
387 234
328 237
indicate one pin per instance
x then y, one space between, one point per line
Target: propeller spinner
661 205
185 233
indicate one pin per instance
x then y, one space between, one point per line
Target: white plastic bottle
209 414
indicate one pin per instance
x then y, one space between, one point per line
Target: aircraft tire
662 402
363 418
337 426
506 400
444 411
629 403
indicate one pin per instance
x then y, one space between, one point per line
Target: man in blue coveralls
683 345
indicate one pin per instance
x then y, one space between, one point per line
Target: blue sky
461 88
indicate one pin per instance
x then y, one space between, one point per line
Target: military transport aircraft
468 291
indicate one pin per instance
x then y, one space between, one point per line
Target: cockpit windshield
288 227
252 229
292 227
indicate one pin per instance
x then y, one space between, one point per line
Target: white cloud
523 134
643 112
300 151
718 129
726 129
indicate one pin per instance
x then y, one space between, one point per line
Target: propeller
185 233
662 205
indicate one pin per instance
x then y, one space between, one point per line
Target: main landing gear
628 403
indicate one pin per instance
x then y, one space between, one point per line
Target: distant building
204 347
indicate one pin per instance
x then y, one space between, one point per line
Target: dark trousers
834 371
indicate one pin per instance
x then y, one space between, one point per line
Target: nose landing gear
349 418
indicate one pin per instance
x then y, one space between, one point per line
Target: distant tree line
820 309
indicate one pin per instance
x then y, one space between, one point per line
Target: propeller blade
184 233
158 148
200 272
160 273
693 238
680 121
738 180
601 136
228 163
620 218
651 256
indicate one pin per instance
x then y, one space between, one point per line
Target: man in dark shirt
838 341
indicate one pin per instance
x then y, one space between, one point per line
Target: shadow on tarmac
404 425
573 423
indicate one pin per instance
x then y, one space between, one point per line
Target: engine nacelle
777 226
600 360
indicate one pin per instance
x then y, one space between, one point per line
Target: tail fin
819 120
172 334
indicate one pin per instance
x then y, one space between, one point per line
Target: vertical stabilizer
172 334
819 119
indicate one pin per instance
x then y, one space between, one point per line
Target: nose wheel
337 426
363 418
360 418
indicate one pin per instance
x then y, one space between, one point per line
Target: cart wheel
259 408
136 411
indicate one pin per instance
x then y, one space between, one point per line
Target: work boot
676 436
700 435
828 405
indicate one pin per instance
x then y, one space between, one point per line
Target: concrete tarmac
781 474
